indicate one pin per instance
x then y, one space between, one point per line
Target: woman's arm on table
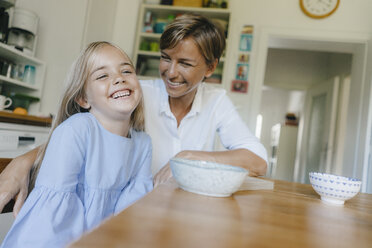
14 180
239 157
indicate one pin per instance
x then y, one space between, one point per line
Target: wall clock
319 8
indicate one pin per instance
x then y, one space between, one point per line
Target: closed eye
101 76
164 57
186 64
126 71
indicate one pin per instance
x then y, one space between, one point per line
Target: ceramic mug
3 102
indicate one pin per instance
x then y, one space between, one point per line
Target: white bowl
207 178
334 189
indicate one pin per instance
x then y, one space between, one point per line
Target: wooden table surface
291 215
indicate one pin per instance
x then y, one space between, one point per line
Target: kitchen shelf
142 57
149 53
7 4
150 35
10 117
15 82
9 85
10 53
208 12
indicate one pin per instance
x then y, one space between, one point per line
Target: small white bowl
207 178
334 189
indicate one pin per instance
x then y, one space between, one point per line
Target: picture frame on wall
243 58
245 42
242 72
239 86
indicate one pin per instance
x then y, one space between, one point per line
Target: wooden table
291 215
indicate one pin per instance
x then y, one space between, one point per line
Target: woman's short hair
208 36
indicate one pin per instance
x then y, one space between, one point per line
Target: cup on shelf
6 69
144 45
29 74
5 102
160 25
154 46
17 72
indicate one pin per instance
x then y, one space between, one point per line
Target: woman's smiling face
182 68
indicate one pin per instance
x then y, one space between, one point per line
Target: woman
182 115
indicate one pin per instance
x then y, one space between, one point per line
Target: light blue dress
87 175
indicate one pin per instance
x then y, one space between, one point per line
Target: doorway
307 85
333 53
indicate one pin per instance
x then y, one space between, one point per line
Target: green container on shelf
22 100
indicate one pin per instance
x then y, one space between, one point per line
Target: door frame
358 134
332 88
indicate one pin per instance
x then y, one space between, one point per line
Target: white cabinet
146 50
9 84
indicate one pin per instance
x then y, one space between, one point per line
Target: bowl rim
196 164
335 177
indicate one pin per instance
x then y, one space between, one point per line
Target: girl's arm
142 182
239 157
14 180
53 213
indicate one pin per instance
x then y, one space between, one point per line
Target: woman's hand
239 157
163 175
14 180
14 184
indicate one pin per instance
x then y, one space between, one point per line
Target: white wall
124 32
100 20
295 69
60 35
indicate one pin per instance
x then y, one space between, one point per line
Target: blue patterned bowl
207 178
334 189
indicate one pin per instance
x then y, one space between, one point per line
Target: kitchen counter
10 117
291 215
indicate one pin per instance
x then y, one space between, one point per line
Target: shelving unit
142 58
9 84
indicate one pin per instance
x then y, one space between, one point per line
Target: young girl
97 160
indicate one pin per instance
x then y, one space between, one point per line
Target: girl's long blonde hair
75 84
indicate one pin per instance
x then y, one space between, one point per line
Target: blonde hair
75 85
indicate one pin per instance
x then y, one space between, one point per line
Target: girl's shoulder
80 123
79 120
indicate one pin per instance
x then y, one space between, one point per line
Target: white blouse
212 113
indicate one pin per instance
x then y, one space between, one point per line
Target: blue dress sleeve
139 185
53 214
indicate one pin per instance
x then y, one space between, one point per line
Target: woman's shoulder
212 90
211 94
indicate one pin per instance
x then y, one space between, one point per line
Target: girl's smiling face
112 90
182 68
